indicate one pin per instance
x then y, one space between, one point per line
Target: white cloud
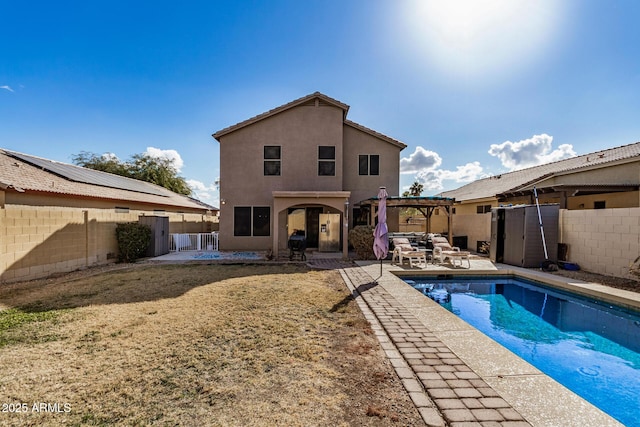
207 193
466 173
425 165
420 159
171 155
7 88
433 179
534 151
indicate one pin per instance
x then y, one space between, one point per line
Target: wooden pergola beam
424 205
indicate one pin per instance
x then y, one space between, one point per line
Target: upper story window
369 164
326 160
272 160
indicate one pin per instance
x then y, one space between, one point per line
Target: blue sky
474 88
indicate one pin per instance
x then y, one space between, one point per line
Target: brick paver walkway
443 388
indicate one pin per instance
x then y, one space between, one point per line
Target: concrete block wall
37 241
603 241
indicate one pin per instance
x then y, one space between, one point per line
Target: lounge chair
442 251
402 249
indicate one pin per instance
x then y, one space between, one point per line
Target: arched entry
303 209
321 226
306 220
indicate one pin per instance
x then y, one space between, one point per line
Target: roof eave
378 135
280 109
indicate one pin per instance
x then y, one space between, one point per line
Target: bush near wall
133 240
361 238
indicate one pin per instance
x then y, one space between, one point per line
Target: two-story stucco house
300 168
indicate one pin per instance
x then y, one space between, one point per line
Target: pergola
424 205
564 191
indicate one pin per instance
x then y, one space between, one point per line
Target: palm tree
416 189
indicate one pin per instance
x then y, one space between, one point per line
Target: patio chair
402 249
442 251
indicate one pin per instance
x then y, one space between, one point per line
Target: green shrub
133 240
361 238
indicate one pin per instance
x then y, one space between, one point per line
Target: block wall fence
39 241
602 241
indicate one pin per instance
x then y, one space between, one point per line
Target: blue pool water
590 347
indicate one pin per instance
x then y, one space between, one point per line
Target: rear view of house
300 168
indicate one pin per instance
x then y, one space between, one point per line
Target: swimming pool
590 347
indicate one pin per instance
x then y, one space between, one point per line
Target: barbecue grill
297 245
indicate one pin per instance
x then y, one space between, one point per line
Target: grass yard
193 345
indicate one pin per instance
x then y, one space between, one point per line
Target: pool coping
514 379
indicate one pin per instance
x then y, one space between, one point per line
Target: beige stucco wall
604 241
625 172
627 199
37 241
363 187
66 200
299 131
477 227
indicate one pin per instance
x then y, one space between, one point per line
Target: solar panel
89 176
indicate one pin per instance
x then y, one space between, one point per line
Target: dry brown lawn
193 345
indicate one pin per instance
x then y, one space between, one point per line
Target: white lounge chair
442 251
402 250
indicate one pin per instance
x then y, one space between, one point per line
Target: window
599 205
252 221
272 160
261 220
242 221
483 209
369 164
326 160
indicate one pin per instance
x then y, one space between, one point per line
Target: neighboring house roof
25 173
513 181
307 100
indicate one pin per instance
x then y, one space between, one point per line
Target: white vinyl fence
193 242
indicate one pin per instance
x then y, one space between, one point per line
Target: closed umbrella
380 239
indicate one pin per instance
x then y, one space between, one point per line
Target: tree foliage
133 240
142 167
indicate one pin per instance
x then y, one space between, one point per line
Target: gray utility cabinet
159 244
516 238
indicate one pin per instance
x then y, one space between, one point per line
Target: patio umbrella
380 239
